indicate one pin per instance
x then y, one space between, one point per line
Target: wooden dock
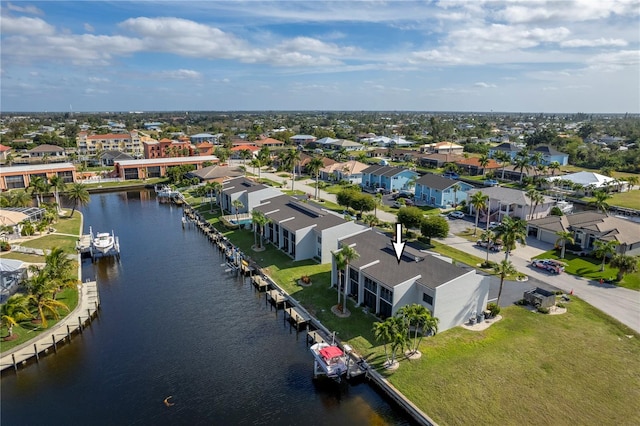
259 283
59 334
276 298
295 317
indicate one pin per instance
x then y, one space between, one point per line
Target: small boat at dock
329 360
103 242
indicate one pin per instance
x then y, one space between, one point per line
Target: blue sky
517 56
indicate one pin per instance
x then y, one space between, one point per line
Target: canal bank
239 263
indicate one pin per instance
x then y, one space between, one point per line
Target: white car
456 214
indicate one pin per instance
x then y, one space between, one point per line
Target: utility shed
540 297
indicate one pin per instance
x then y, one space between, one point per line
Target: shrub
522 302
305 279
556 211
560 305
488 265
5 246
493 308
543 310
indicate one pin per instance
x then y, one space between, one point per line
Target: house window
319 240
14 182
427 299
386 294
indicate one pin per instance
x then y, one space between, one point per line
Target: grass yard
587 267
68 225
27 330
67 243
629 199
29 258
577 368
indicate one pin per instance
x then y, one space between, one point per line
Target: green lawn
630 199
587 267
528 368
29 258
27 330
67 243
68 225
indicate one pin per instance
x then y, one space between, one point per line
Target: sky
450 55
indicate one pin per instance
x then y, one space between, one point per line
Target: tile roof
475 162
110 136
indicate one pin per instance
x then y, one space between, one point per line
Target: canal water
173 323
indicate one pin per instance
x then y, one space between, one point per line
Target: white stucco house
249 192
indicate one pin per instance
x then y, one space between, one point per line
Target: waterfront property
350 171
435 190
511 202
249 192
387 177
302 230
587 228
377 281
12 177
586 182
157 167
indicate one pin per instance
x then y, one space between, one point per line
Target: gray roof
548 150
372 246
301 215
215 171
507 147
436 181
241 184
384 170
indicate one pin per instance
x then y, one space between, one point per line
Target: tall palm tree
484 162
633 181
38 186
237 205
503 269
479 202
511 231
455 188
19 198
418 317
503 158
259 221
490 237
625 264
564 237
9 159
382 331
57 185
223 154
522 163
349 254
79 195
531 194
14 310
604 249
600 201
245 154
554 166
314 167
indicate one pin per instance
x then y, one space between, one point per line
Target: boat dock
276 298
60 334
85 247
296 317
259 283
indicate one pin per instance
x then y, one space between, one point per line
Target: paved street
621 303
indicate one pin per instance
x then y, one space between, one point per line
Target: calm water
173 323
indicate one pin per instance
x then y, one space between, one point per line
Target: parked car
494 246
456 214
403 194
491 182
549 265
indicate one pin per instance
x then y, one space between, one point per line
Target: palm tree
511 231
418 317
259 221
9 159
522 163
245 154
564 237
19 198
479 202
600 201
484 162
44 304
289 159
349 254
370 219
633 181
625 264
79 195
14 310
377 202
503 269
314 167
531 194
383 333
536 159
237 205
38 186
503 158
391 331
554 166
604 249
455 188
341 267
57 185
489 236
223 154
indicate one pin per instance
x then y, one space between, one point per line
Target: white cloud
569 10
88 27
97 80
309 44
438 57
501 38
613 61
180 74
25 25
484 85
25 9
594 43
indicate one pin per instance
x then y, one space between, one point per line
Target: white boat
103 242
330 359
565 206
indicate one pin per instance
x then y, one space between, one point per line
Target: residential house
4 152
130 143
304 230
204 148
350 171
343 144
435 190
473 167
403 154
551 155
442 148
301 166
438 160
249 192
269 142
377 281
236 151
108 158
588 227
216 173
387 177
510 149
326 140
43 152
511 202
302 139
205 137
587 182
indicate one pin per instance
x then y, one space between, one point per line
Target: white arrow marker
398 244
